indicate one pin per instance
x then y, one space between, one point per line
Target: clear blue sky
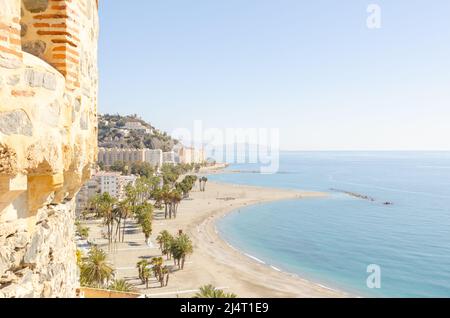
310 68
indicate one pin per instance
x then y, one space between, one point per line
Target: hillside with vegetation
113 132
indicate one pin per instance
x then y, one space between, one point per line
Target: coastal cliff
48 139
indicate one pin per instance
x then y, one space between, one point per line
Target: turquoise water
333 240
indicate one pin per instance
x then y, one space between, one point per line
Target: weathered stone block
15 122
38 141
37 48
36 6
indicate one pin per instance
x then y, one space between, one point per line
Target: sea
383 231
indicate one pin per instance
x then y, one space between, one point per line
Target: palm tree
209 291
181 247
124 209
204 180
93 205
175 199
96 271
144 214
143 271
160 271
166 271
157 195
105 207
165 240
166 199
121 285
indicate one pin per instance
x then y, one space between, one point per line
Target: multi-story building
108 182
169 157
114 183
111 182
199 156
191 155
109 156
154 157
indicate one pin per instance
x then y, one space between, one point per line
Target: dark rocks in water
360 196
355 195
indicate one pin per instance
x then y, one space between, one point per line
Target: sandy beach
214 261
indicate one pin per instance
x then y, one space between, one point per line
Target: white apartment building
169 157
111 182
114 183
109 156
191 155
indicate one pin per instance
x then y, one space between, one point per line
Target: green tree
160 271
144 215
105 208
209 291
203 181
144 271
143 169
119 166
121 285
181 248
166 199
95 270
170 174
165 241
122 212
175 199
82 231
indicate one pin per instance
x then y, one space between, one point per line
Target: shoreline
283 284
214 261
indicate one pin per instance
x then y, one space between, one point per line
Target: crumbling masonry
48 143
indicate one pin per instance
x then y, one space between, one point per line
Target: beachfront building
154 157
113 183
199 156
108 156
169 157
189 155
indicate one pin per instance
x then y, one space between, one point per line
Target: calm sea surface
333 240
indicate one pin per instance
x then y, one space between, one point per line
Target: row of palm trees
96 272
175 247
165 190
137 204
156 267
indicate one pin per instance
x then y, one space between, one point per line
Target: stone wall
48 139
